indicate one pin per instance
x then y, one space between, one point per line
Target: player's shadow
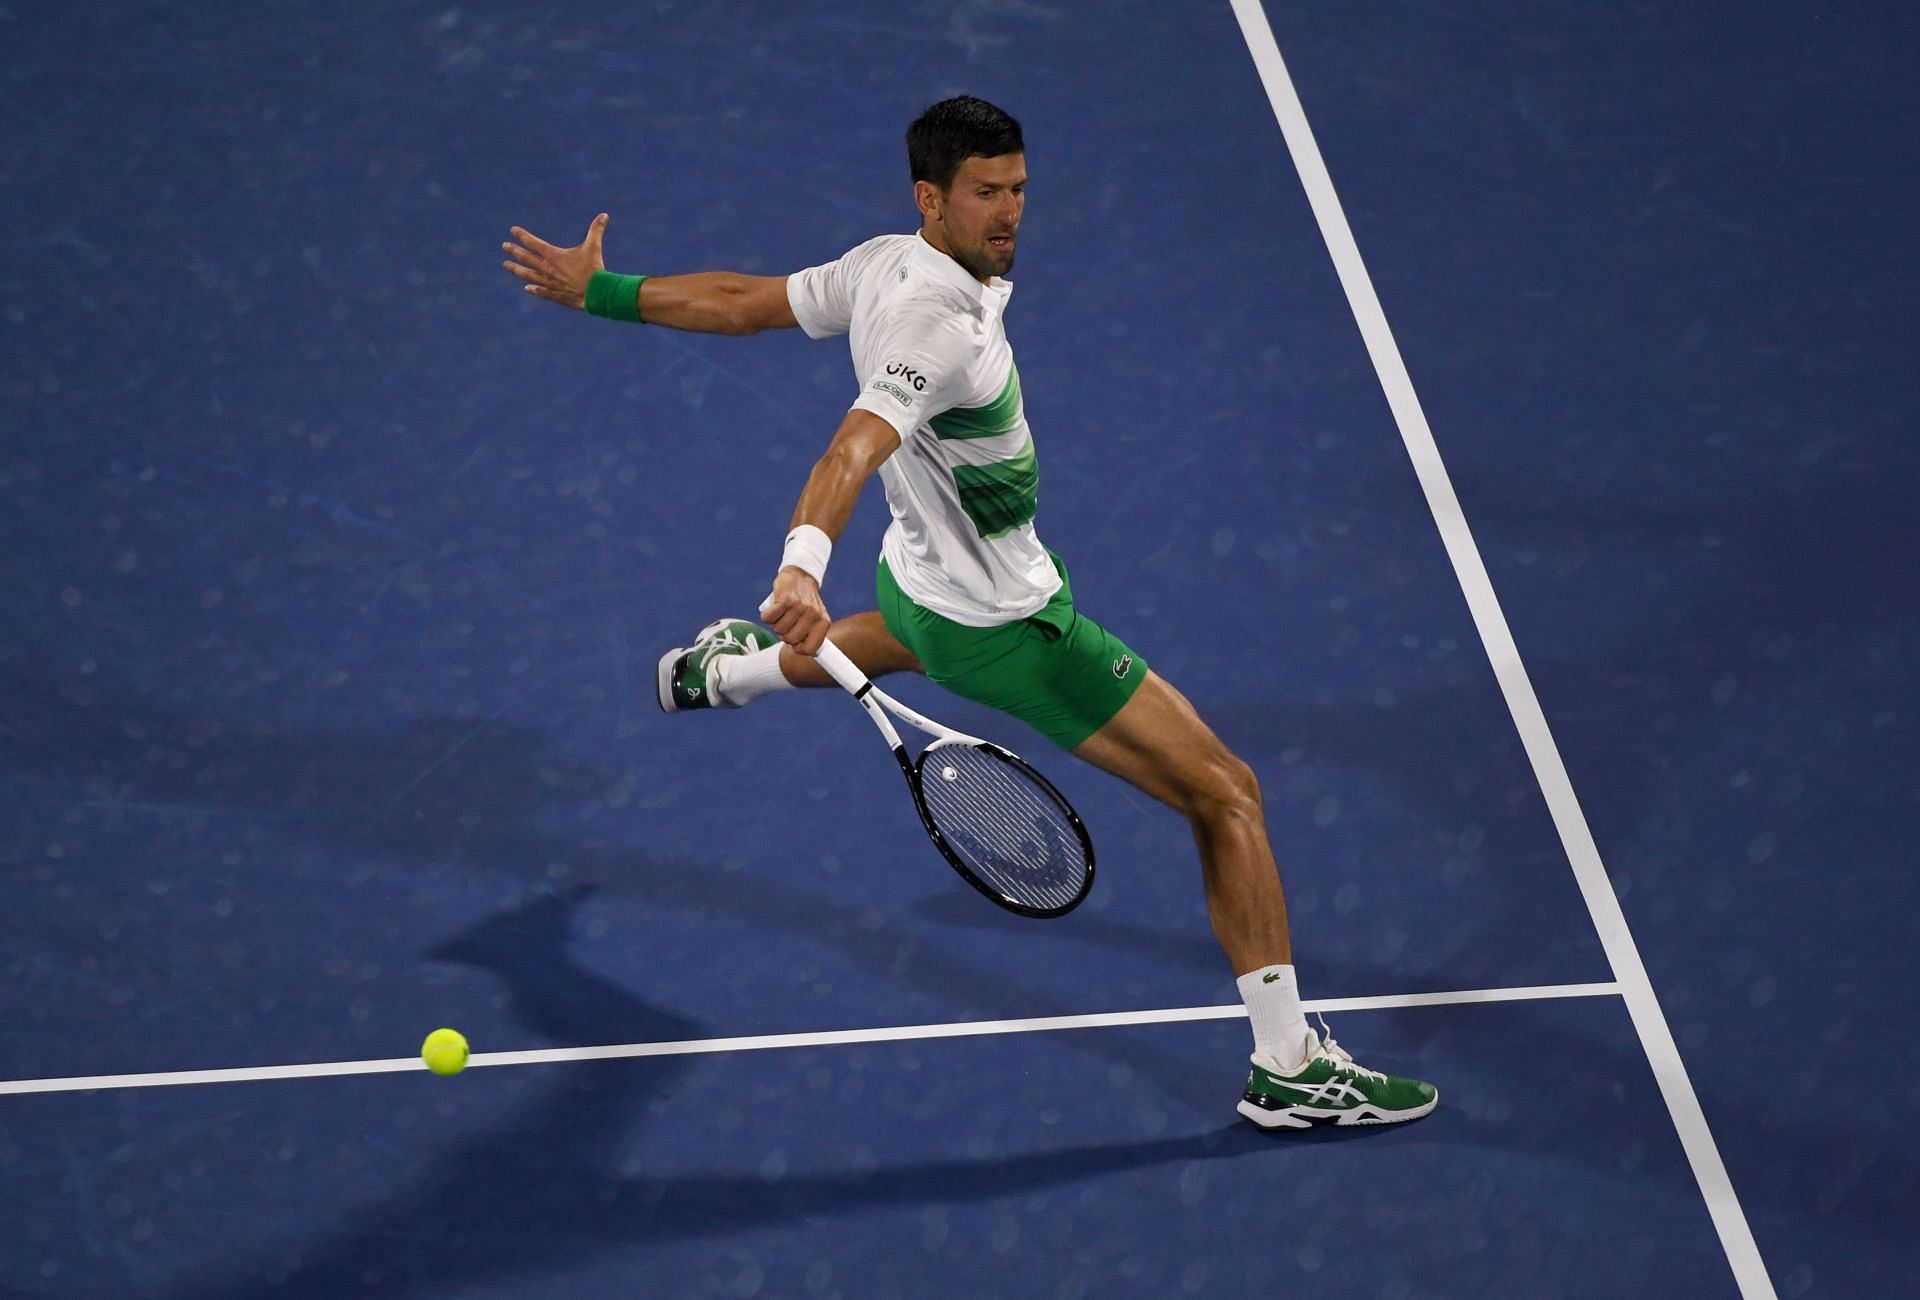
550 1184
455 792
343 787
469 795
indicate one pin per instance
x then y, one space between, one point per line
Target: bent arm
860 446
863 443
717 302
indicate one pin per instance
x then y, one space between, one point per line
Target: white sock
741 679
1273 1005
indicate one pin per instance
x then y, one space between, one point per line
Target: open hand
557 274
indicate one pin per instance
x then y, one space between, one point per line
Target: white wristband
808 550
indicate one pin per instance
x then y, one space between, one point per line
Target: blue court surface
335 570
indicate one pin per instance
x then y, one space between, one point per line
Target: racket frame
878 704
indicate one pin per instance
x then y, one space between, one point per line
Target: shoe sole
1299 1117
663 679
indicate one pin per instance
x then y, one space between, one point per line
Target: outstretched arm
711 302
863 443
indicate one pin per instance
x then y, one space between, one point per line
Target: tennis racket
996 821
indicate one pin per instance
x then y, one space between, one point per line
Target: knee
1226 789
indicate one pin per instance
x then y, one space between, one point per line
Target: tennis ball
949 773
445 1051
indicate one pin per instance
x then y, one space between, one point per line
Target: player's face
980 213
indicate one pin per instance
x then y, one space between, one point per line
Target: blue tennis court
335 571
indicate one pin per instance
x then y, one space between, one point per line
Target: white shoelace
1341 1058
723 642
725 638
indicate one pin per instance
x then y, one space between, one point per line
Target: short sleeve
822 298
920 359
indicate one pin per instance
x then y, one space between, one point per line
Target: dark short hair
954 130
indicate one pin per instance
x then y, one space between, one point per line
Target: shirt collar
991 297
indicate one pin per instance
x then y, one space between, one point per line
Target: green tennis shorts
1058 671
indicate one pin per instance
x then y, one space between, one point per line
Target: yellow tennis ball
445 1051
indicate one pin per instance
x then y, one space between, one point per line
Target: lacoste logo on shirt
1123 665
899 393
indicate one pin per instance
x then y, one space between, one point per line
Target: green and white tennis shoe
1329 1088
683 679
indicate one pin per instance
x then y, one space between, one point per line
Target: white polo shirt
931 354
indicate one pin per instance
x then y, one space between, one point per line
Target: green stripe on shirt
1000 496
999 416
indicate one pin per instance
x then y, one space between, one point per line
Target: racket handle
842 669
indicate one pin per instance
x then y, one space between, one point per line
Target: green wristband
617 297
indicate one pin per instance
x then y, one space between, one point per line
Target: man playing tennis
967 593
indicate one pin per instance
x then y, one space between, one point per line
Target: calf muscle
1160 745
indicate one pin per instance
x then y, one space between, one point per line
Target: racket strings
1007 827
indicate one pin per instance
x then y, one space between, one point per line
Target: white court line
768 1042
1736 1238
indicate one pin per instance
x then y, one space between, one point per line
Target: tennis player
968 595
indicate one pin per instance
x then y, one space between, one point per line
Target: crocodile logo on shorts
1122 666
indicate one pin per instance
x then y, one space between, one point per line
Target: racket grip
842 669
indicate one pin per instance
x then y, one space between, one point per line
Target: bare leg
1160 745
866 641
